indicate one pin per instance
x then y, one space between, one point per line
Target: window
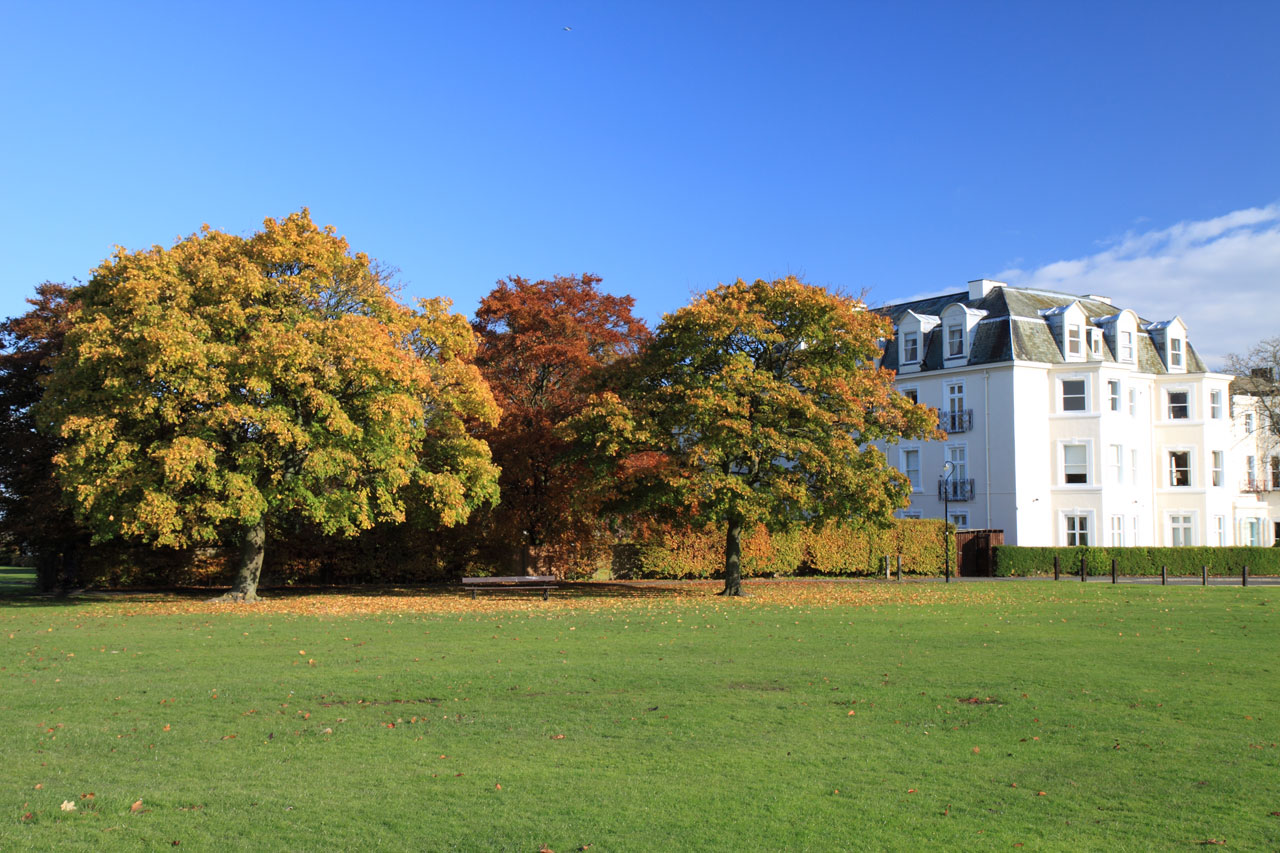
910 348
955 341
1094 337
1117 531
1075 463
955 417
1126 346
1215 404
956 456
1180 526
1073 340
1115 464
1133 529
1077 529
1073 395
1275 472
960 520
910 514
1113 391
1179 409
911 467
1175 352
1251 471
1220 529
1133 466
1248 423
1180 468
911 394
1133 402
1217 468
1252 532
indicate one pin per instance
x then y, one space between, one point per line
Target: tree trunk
253 537
733 557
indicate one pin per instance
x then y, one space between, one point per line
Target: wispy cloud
1221 275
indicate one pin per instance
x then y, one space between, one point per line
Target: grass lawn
811 716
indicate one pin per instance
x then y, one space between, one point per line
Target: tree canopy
543 345
211 387
758 403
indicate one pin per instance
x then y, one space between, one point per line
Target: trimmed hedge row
1019 561
837 549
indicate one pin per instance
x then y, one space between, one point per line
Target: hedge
839 548
1020 561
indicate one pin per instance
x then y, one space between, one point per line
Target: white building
1071 421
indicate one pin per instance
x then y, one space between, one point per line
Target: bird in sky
568 29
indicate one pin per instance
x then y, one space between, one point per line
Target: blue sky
901 148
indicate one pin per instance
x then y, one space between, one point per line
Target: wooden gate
973 551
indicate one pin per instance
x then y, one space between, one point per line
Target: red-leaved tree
543 347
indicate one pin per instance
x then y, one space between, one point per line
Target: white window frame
1076 524
911 348
1082 467
916 481
1175 352
1251 531
1181 525
1220 529
1248 423
1251 471
1218 467
1169 404
960 520
1113 393
1083 396
1093 337
1173 470
1215 404
1115 464
1133 465
1073 340
911 392
1133 402
1126 345
1117 531
955 341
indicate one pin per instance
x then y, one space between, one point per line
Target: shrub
1020 561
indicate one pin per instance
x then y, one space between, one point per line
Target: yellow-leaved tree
756 404
206 389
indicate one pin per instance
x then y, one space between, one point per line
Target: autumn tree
209 388
32 514
542 347
759 403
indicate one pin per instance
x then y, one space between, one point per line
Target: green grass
16 581
1148 717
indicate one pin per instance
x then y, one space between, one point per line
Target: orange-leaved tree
543 345
757 404
225 382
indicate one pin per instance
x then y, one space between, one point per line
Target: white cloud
1221 275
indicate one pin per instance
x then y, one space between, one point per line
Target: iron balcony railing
960 421
955 489
1256 485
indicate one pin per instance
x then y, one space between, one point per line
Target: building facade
1071 421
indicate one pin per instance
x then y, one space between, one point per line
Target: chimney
980 287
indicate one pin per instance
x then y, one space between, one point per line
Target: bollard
1082 568
1113 569
1055 566
1244 576
899 567
1164 575
1204 576
887 576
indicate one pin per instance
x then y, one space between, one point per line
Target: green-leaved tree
209 388
758 403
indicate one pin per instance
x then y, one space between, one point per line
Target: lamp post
948 468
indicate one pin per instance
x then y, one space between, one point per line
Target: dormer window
1094 337
1126 346
1073 340
910 348
955 341
1175 352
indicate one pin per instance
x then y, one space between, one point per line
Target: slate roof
1015 328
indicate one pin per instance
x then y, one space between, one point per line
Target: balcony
961 421
1257 486
955 489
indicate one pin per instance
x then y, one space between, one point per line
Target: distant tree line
271 392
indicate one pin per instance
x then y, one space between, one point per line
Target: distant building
1070 421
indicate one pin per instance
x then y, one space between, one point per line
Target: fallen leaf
136 807
228 737
39 785
497 787
28 816
88 796
557 737
68 806
851 713
977 750
1041 794
911 790
166 727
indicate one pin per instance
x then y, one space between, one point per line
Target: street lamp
948 468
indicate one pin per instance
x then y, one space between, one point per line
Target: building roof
1016 327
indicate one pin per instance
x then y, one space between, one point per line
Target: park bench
546 583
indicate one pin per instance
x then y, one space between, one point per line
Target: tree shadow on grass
17 591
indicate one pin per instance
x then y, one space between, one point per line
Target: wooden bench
546 583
